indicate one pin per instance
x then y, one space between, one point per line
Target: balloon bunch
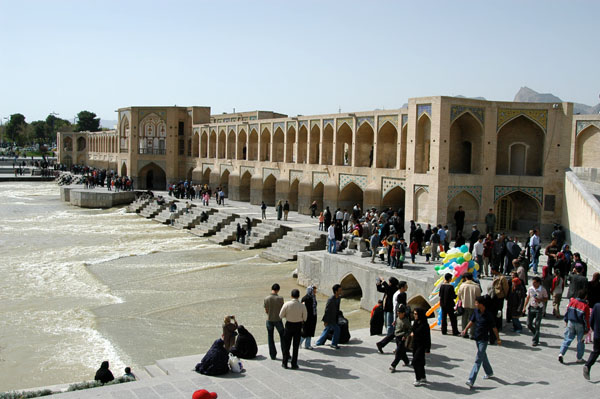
457 262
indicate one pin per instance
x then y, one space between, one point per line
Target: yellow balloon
443 254
467 256
476 266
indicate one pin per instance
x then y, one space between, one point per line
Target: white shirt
534 241
339 215
478 249
331 232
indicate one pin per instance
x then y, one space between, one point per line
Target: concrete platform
100 198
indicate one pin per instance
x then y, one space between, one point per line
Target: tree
57 125
40 131
15 127
87 122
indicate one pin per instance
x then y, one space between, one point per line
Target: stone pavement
357 370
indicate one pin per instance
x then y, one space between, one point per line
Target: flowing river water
80 286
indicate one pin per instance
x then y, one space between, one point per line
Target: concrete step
154 371
214 224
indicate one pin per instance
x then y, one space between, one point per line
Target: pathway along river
80 286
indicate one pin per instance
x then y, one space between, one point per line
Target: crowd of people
186 189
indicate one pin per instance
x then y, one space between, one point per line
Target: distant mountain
108 123
527 95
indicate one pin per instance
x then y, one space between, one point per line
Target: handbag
459 309
235 364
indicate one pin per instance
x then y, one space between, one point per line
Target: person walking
577 321
401 333
514 304
332 244
536 300
447 297
330 318
388 288
273 304
595 326
286 210
263 209
421 345
313 209
459 220
484 325
279 209
467 293
294 314
490 222
499 294
308 329
534 251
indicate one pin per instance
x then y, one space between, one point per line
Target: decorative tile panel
222 129
368 119
279 125
505 115
231 129
581 125
207 166
390 183
359 180
264 126
423 109
314 123
393 119
303 124
270 171
475 191
458 110
254 126
341 121
213 131
319 177
404 120
295 174
418 187
143 113
291 125
225 167
327 122
244 169
536 192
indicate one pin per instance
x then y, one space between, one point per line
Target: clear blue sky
295 57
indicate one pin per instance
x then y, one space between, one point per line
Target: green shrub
26 394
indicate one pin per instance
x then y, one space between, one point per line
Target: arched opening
525 158
302 143
517 211
465 145
67 160
206 176
68 144
152 135
212 147
225 182
422 147
350 196
278 146
351 287
327 146
317 195
364 146
80 144
289 145
189 175
189 147
152 177
124 169
241 145
293 195
395 199
196 145
268 192
403 146
81 159
221 143
315 145
124 134
587 144
231 145
204 145
265 145
245 186
253 146
470 207
387 146
420 204
343 146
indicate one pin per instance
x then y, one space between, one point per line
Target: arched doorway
80 144
268 192
245 186
221 143
587 144
387 146
124 169
343 146
206 176
225 182
189 176
327 146
517 211
465 145
196 145
68 144
317 195
302 143
420 201
422 147
293 195
204 145
278 146
241 145
231 145
351 287
212 146
364 146
403 147
289 145
520 148
253 146
153 177
470 207
67 160
265 145
395 199
315 144
350 196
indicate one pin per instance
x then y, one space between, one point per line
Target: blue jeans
574 329
535 316
306 341
336 335
331 247
271 325
480 359
516 324
388 318
534 259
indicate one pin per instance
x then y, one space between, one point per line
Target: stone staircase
228 233
137 205
164 216
263 235
287 247
214 224
192 218
152 209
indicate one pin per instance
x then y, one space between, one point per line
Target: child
402 331
400 253
394 255
321 221
558 285
516 299
427 251
414 248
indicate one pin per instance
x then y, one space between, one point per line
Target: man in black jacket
330 318
389 288
447 296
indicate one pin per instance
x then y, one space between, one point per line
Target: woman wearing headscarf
421 345
279 210
308 329
103 374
